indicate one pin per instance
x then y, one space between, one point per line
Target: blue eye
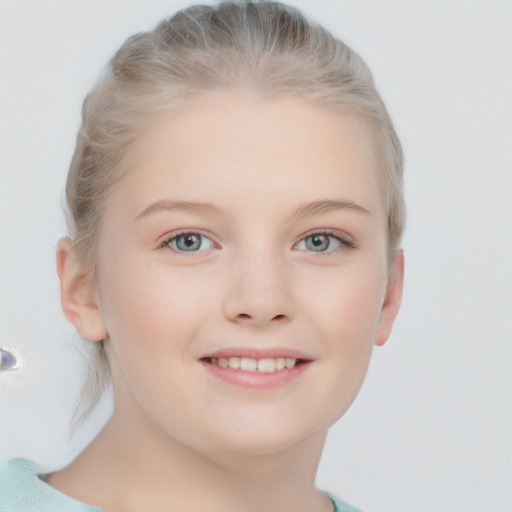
190 242
318 243
321 242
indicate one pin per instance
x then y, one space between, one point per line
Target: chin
264 439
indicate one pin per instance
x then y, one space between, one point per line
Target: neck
147 470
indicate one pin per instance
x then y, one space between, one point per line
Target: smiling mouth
267 365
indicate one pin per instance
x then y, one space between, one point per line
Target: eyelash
345 243
166 243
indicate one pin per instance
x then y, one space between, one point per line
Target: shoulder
342 506
21 490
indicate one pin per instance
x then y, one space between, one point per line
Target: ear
78 294
392 300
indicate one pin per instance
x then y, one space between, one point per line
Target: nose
259 292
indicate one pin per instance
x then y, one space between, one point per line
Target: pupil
318 242
189 242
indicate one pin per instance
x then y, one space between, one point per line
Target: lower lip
256 380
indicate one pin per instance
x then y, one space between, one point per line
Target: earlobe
392 300
78 292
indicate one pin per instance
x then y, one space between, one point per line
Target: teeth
280 363
234 362
267 365
248 364
289 362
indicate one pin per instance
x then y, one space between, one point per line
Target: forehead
240 148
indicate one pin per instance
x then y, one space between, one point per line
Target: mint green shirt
21 490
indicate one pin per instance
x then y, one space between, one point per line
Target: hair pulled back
266 47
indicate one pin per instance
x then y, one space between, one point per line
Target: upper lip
258 353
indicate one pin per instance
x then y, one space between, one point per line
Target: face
242 274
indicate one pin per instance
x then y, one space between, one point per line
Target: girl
235 207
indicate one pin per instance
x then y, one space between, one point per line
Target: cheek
152 318
147 306
351 303
346 321
347 325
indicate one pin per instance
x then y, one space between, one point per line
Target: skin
181 439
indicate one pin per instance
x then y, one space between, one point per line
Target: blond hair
267 47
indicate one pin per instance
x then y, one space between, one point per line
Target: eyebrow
327 205
169 205
306 210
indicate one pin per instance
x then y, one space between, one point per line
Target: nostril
245 316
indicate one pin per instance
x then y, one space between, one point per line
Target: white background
431 430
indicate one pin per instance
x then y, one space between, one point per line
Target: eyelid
346 241
164 242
